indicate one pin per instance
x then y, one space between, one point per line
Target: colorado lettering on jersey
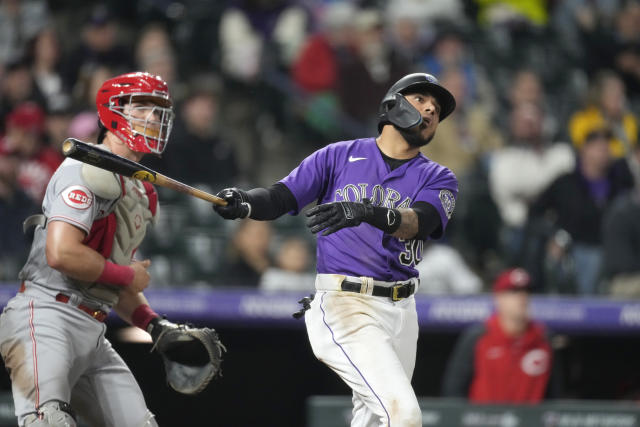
387 197
379 196
77 197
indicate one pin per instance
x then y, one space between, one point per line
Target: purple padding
251 307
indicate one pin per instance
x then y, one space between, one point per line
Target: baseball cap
28 116
514 279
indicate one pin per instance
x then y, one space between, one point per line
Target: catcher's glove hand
191 356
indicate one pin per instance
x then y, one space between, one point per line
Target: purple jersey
353 170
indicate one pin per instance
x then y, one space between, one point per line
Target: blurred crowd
543 141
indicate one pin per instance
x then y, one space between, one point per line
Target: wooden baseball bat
104 159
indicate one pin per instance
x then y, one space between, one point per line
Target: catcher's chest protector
133 212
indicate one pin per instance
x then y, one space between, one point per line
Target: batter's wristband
385 219
142 316
114 274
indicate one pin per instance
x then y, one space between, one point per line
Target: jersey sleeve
440 191
308 181
68 199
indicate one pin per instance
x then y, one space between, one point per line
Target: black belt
396 292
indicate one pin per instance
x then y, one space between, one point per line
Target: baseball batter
81 266
378 200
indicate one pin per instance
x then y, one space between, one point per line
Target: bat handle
209 197
165 181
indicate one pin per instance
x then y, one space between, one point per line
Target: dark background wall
269 373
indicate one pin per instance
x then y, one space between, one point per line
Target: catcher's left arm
192 356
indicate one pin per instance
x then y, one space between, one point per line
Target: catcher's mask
117 98
395 108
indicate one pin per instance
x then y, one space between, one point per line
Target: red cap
514 279
28 116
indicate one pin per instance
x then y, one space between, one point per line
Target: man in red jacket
508 358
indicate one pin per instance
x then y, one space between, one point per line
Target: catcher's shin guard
53 413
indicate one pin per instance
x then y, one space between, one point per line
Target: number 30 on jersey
412 253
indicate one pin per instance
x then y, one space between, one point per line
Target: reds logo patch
448 202
535 362
77 197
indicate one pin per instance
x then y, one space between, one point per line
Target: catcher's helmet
145 135
395 109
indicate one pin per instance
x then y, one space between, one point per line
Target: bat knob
68 146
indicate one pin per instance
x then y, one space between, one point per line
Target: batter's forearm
408 224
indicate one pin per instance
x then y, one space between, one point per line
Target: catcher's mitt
191 356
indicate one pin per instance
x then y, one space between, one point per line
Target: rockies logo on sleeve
448 202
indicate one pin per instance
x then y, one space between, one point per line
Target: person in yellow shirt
608 106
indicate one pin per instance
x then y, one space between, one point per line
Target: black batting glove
237 205
335 216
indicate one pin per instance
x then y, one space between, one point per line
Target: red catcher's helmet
147 132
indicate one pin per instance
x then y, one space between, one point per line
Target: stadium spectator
524 87
15 207
443 271
607 103
17 86
576 22
621 235
20 20
520 171
511 13
248 256
249 29
577 201
621 238
89 81
508 358
451 49
155 54
197 130
626 58
99 47
291 271
468 136
429 12
315 70
24 139
613 42
57 126
84 127
44 57
370 70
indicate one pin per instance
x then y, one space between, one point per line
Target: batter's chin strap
306 305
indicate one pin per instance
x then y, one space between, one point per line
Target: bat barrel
93 155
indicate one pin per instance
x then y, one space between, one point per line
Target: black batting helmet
395 109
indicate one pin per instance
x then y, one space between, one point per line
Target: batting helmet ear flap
402 114
420 82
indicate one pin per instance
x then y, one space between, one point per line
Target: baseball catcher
191 356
